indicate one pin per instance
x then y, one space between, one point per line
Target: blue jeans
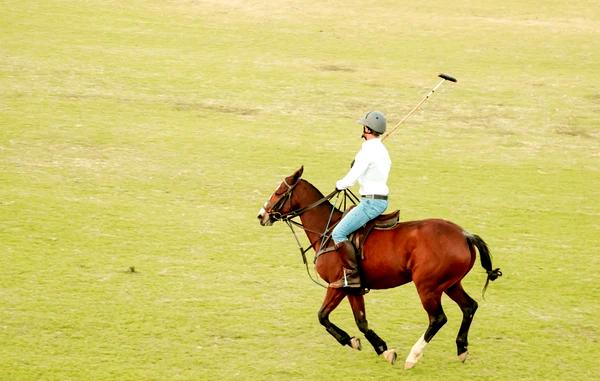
364 212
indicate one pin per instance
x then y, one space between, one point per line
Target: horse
434 254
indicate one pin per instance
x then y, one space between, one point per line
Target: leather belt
374 196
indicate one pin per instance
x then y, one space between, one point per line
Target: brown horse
434 254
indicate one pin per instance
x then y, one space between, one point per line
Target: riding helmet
375 120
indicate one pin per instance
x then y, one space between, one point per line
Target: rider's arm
360 166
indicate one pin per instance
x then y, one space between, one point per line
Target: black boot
351 277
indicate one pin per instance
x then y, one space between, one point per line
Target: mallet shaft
445 77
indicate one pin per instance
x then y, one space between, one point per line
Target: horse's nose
261 216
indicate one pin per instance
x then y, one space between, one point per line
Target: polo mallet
444 77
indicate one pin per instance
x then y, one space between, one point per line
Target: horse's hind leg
468 307
357 302
333 297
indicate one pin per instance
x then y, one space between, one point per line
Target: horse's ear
298 173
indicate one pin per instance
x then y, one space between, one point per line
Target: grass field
139 139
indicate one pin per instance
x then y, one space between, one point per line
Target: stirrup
357 284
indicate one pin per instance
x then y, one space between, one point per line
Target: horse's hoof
390 355
463 356
355 343
411 361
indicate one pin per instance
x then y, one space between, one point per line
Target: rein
296 213
303 251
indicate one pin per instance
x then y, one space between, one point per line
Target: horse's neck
318 219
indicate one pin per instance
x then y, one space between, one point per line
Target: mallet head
447 77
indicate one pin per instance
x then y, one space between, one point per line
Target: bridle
285 197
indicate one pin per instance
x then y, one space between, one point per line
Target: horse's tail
486 259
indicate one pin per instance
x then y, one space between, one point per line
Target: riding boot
351 276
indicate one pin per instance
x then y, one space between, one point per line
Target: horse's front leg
333 298
357 302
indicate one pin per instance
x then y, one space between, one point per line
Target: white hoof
463 356
390 356
416 353
355 343
411 362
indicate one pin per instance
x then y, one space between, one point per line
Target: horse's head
280 202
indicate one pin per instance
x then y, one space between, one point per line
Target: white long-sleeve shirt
371 169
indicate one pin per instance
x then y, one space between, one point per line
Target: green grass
147 134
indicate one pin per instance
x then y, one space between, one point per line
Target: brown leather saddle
384 222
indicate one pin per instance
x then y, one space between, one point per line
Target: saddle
383 222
